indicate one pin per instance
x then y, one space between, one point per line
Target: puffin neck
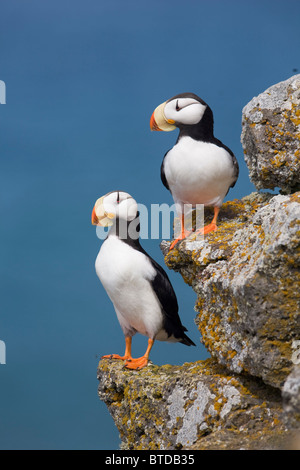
203 131
127 231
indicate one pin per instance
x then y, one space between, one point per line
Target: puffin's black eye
177 107
118 198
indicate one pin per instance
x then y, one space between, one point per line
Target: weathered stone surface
247 279
198 405
271 136
291 399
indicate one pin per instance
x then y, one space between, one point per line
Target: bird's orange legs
183 235
135 364
203 231
212 226
127 356
140 362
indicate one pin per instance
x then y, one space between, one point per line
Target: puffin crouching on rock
199 169
139 288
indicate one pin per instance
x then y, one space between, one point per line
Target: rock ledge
194 406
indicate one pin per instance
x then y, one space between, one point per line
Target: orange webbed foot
181 237
212 227
116 356
136 364
127 355
207 229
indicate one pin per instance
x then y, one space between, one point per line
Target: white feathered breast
198 172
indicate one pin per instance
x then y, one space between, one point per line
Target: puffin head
186 109
114 205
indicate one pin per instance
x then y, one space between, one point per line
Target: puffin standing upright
139 288
199 169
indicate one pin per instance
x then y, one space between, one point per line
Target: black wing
234 160
167 298
162 173
236 168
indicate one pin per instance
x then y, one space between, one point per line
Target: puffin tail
187 341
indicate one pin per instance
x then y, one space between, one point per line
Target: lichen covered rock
271 137
291 398
174 407
247 279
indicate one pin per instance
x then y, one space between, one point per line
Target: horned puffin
139 288
199 169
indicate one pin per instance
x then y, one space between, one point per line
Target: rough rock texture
247 279
197 406
291 398
271 137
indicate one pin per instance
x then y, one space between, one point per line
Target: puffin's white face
179 110
116 204
184 111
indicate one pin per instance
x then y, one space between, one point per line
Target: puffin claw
183 236
116 356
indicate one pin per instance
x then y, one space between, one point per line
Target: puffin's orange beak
100 216
153 124
158 121
95 220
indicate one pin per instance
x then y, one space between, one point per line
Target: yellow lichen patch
295 197
278 160
147 412
295 115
